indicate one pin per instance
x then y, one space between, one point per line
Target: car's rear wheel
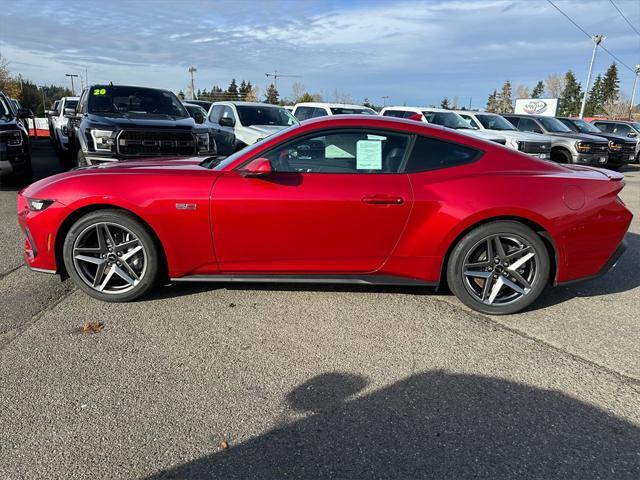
499 268
111 256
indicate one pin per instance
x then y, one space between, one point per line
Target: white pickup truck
58 131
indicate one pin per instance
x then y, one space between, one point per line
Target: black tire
561 156
464 286
125 221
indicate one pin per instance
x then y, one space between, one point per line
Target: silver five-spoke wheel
500 269
109 258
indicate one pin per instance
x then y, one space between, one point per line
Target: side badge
186 206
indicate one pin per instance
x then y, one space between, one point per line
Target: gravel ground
316 382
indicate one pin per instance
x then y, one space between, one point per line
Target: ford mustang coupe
349 199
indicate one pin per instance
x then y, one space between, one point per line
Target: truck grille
142 142
535 147
599 147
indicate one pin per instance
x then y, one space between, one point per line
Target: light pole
384 100
192 70
633 92
73 90
597 40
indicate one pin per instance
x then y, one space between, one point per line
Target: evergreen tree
538 90
181 95
571 97
243 90
232 90
271 95
505 102
217 94
610 84
594 100
445 103
492 102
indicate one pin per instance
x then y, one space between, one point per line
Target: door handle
383 200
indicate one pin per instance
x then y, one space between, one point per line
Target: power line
625 17
589 36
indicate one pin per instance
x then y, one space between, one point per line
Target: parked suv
245 123
567 146
118 122
442 117
15 150
622 150
621 127
59 120
533 144
306 110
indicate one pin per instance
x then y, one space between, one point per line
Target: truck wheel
561 156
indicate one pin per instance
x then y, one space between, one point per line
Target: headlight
37 205
583 147
103 140
12 137
203 142
515 143
616 147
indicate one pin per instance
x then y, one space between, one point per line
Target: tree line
604 97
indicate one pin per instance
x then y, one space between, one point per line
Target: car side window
622 129
228 113
432 154
529 125
304 113
513 120
216 113
394 113
319 112
469 119
605 127
345 151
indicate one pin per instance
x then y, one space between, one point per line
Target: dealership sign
537 106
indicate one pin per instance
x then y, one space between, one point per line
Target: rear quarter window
432 154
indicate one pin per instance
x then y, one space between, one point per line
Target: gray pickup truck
566 145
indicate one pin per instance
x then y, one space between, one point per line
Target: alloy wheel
109 258
500 269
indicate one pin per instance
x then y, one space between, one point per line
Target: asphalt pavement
316 381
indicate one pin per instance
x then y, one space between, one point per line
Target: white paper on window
369 155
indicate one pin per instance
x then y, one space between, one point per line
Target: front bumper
14 159
592 159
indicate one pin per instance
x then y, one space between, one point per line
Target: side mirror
258 167
24 113
69 112
632 135
227 122
198 116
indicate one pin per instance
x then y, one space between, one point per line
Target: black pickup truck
118 122
15 150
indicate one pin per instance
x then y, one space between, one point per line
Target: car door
225 137
333 203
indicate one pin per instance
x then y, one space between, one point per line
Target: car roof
471 112
70 98
251 104
330 105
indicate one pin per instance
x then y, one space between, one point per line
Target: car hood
266 129
8 124
518 135
614 137
578 136
484 134
132 120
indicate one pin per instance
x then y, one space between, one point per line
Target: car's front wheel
499 268
111 256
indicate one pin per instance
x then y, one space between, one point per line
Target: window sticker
369 155
99 91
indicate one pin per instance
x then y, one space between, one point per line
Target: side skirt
327 279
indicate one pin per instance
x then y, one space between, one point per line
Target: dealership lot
309 381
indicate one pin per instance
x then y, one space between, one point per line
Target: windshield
636 125
585 127
553 125
116 99
259 115
352 111
446 119
5 110
495 122
71 104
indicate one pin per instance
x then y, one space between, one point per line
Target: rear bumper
608 266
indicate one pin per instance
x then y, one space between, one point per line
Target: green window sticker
99 91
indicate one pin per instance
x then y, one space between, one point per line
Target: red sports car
349 199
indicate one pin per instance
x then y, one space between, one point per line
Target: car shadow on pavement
622 278
431 425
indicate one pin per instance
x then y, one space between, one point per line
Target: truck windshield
71 104
127 100
495 122
258 115
584 127
553 125
5 110
447 119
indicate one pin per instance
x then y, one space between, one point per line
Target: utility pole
597 40
277 75
384 100
633 92
73 90
192 70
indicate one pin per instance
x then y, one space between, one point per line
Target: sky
413 52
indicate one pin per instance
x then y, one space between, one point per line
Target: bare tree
252 95
522 91
617 107
297 90
341 97
554 84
